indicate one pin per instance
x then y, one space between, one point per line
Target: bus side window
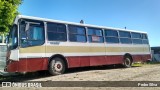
77 33
56 32
32 36
95 35
35 35
145 39
111 36
136 38
125 37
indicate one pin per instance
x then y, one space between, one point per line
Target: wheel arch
128 55
58 56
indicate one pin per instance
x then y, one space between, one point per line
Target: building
155 54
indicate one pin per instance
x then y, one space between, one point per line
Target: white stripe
32 55
14 54
40 55
49 43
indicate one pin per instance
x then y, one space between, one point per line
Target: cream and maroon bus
36 44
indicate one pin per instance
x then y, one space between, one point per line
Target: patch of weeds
152 62
5 78
137 64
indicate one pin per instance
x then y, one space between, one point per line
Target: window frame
135 38
69 33
145 39
88 35
122 37
10 38
135 33
145 35
47 36
33 24
105 30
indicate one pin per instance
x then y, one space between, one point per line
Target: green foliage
8 11
137 64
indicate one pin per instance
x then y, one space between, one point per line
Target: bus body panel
31 65
28 65
75 58
14 55
77 54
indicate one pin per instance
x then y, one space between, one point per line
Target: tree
8 11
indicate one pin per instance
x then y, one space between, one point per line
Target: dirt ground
105 73
108 73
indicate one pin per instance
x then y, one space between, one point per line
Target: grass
152 62
138 64
3 78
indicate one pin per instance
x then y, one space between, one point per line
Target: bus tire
56 66
127 62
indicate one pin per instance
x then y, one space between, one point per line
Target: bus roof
73 23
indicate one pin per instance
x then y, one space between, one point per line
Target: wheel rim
58 66
127 62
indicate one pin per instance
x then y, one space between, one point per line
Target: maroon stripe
36 64
28 65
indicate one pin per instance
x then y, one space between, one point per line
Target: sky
139 15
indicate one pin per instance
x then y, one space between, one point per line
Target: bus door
32 48
12 56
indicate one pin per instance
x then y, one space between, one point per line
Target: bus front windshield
13 38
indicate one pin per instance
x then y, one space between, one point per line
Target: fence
3 49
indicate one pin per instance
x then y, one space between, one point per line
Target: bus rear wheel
127 62
56 66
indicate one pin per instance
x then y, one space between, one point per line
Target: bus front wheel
56 66
127 62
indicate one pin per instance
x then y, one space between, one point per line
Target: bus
36 44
